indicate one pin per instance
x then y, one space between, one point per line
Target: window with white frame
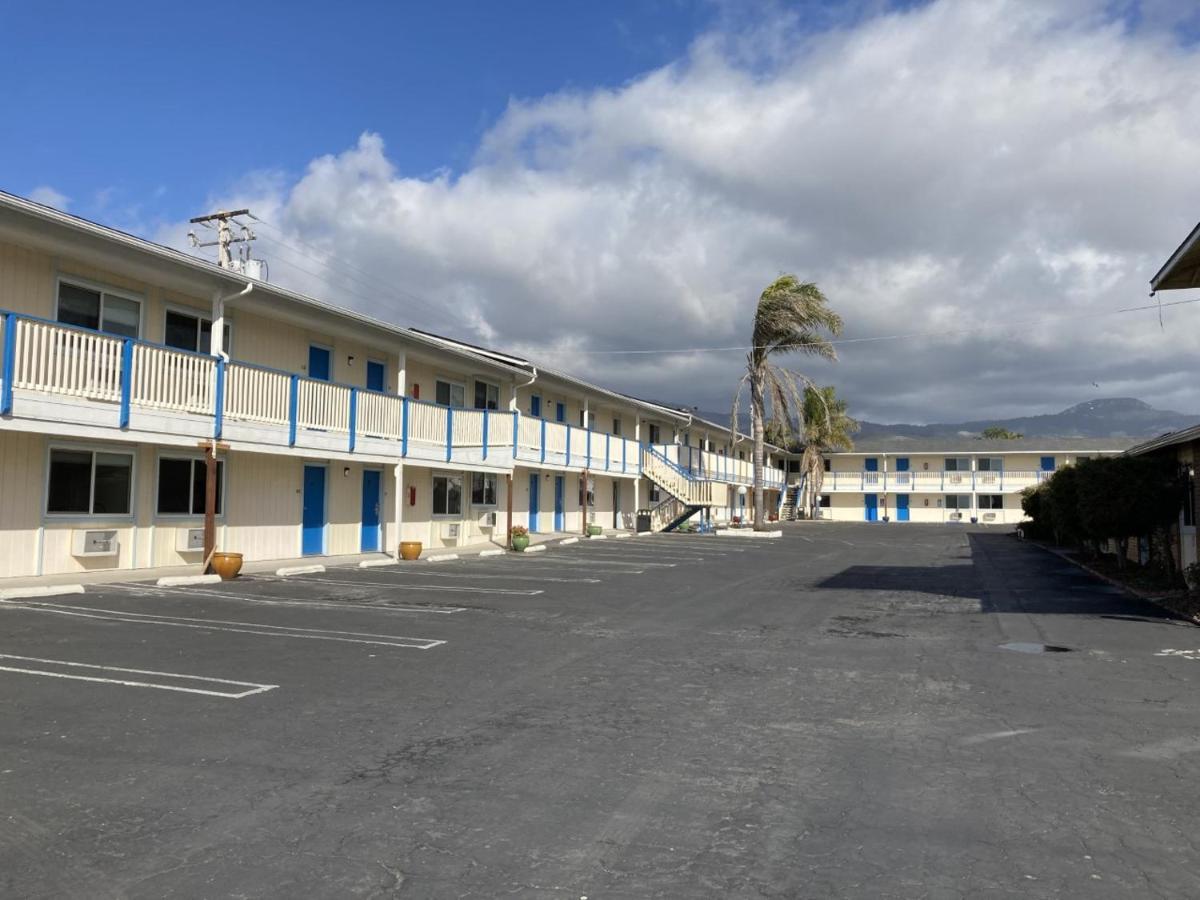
991 501
449 393
89 483
99 309
182 483
957 464
487 395
188 331
483 489
447 495
958 501
990 464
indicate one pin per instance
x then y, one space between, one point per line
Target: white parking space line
563 560
256 628
472 574
458 589
75 670
604 554
284 601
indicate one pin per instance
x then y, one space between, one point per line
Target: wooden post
584 505
210 502
508 498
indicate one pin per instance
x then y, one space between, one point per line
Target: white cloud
964 167
48 196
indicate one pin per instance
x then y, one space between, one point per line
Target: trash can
643 520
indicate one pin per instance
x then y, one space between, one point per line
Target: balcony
83 382
715 467
931 482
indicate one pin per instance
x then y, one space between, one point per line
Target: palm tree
792 317
826 427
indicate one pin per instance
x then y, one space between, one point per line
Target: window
487 396
990 464
958 464
616 428
483 489
89 482
655 434
447 393
741 454
991 501
958 501
687 439
188 332
181 486
99 310
447 495
655 493
825 501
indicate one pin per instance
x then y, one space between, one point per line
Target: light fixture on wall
350 359
346 472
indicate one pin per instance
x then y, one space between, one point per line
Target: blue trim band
293 408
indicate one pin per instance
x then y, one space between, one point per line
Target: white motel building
947 480
122 360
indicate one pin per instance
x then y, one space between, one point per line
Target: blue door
313 540
1047 463
534 501
370 510
871 507
560 412
871 464
376 375
318 362
535 406
901 463
902 507
558 503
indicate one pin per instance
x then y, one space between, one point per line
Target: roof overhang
1182 270
1170 439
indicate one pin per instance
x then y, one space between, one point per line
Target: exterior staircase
789 505
688 494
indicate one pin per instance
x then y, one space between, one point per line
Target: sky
978 186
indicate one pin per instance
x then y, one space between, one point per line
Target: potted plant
227 565
520 538
594 530
410 550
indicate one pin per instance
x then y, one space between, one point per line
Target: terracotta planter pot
520 542
227 565
410 550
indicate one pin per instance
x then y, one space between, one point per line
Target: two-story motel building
946 479
122 360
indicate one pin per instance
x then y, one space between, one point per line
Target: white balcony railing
934 481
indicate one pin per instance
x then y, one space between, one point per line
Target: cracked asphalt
830 714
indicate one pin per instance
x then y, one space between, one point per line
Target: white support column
217 340
637 482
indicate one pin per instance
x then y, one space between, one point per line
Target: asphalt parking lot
848 711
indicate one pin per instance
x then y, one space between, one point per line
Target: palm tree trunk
757 416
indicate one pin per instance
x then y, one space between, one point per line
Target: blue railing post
403 426
219 400
607 451
126 380
8 364
353 416
485 432
293 408
449 432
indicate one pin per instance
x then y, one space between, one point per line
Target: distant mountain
1115 417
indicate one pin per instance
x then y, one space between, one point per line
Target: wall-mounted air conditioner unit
189 540
488 519
95 543
955 517
989 517
451 530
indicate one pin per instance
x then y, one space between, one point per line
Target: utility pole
223 243
224 234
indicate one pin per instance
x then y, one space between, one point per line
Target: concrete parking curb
442 557
598 537
373 563
537 549
569 541
491 552
184 580
299 570
54 590
623 534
